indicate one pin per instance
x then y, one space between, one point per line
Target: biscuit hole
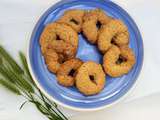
74 21
98 24
121 59
92 78
58 37
62 61
113 42
71 73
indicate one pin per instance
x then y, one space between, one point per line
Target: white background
17 19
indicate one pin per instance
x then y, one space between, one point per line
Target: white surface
18 18
140 109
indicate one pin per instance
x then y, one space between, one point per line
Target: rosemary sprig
10 86
25 66
5 73
15 78
9 59
19 81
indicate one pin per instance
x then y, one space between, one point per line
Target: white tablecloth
18 17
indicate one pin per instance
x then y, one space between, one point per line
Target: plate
114 89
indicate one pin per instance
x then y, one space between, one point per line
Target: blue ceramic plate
114 89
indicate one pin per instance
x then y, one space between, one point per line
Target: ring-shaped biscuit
56 31
63 41
74 18
115 32
93 21
67 71
118 61
90 78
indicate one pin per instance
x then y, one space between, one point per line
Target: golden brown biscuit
121 38
90 78
52 60
115 32
56 31
66 50
67 71
60 42
74 18
118 61
93 20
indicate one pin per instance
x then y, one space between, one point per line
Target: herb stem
20 81
10 60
